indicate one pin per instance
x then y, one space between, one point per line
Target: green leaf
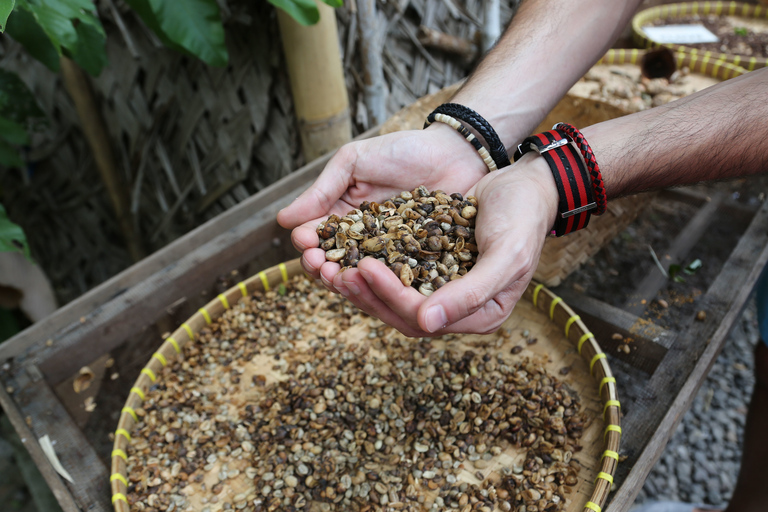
90 52
12 237
58 19
9 157
740 31
17 102
303 11
144 10
281 289
13 132
334 3
674 270
23 27
194 25
693 267
6 8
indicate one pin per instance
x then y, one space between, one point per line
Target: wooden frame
34 362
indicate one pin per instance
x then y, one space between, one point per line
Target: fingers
484 297
359 292
318 200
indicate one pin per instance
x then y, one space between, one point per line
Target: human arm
715 134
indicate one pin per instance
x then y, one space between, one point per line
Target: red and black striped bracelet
571 178
598 187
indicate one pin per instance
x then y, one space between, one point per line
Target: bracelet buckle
543 149
571 213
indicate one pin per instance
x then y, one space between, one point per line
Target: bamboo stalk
373 70
96 134
317 82
491 23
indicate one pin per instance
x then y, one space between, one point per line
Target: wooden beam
67 318
38 402
649 342
671 390
141 305
678 250
742 213
29 439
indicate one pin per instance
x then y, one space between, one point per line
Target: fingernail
366 275
435 318
353 288
343 291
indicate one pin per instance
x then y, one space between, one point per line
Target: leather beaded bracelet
453 123
571 178
496 149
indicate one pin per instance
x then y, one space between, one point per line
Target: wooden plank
67 318
741 212
650 422
28 438
680 247
37 401
141 305
647 341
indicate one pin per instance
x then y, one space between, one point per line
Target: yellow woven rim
542 298
708 67
663 12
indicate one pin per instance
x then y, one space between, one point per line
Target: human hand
374 170
517 207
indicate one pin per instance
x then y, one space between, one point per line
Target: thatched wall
191 140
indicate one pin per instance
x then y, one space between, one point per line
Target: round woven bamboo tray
713 68
563 342
662 12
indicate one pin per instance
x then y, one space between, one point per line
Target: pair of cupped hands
516 208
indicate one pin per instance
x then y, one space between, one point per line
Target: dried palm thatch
191 140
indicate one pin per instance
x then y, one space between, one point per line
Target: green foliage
23 27
72 28
690 269
740 31
192 25
19 112
51 28
303 11
12 237
6 7
17 102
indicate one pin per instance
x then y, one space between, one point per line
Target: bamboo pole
491 23
95 130
373 71
317 82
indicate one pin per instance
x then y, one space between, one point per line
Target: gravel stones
425 238
402 422
702 460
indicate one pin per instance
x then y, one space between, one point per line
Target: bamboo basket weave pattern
716 59
604 443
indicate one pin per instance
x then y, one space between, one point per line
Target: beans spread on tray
426 238
295 400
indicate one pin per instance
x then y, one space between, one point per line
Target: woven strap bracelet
598 187
452 113
571 178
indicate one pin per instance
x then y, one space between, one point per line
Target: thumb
322 195
481 300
